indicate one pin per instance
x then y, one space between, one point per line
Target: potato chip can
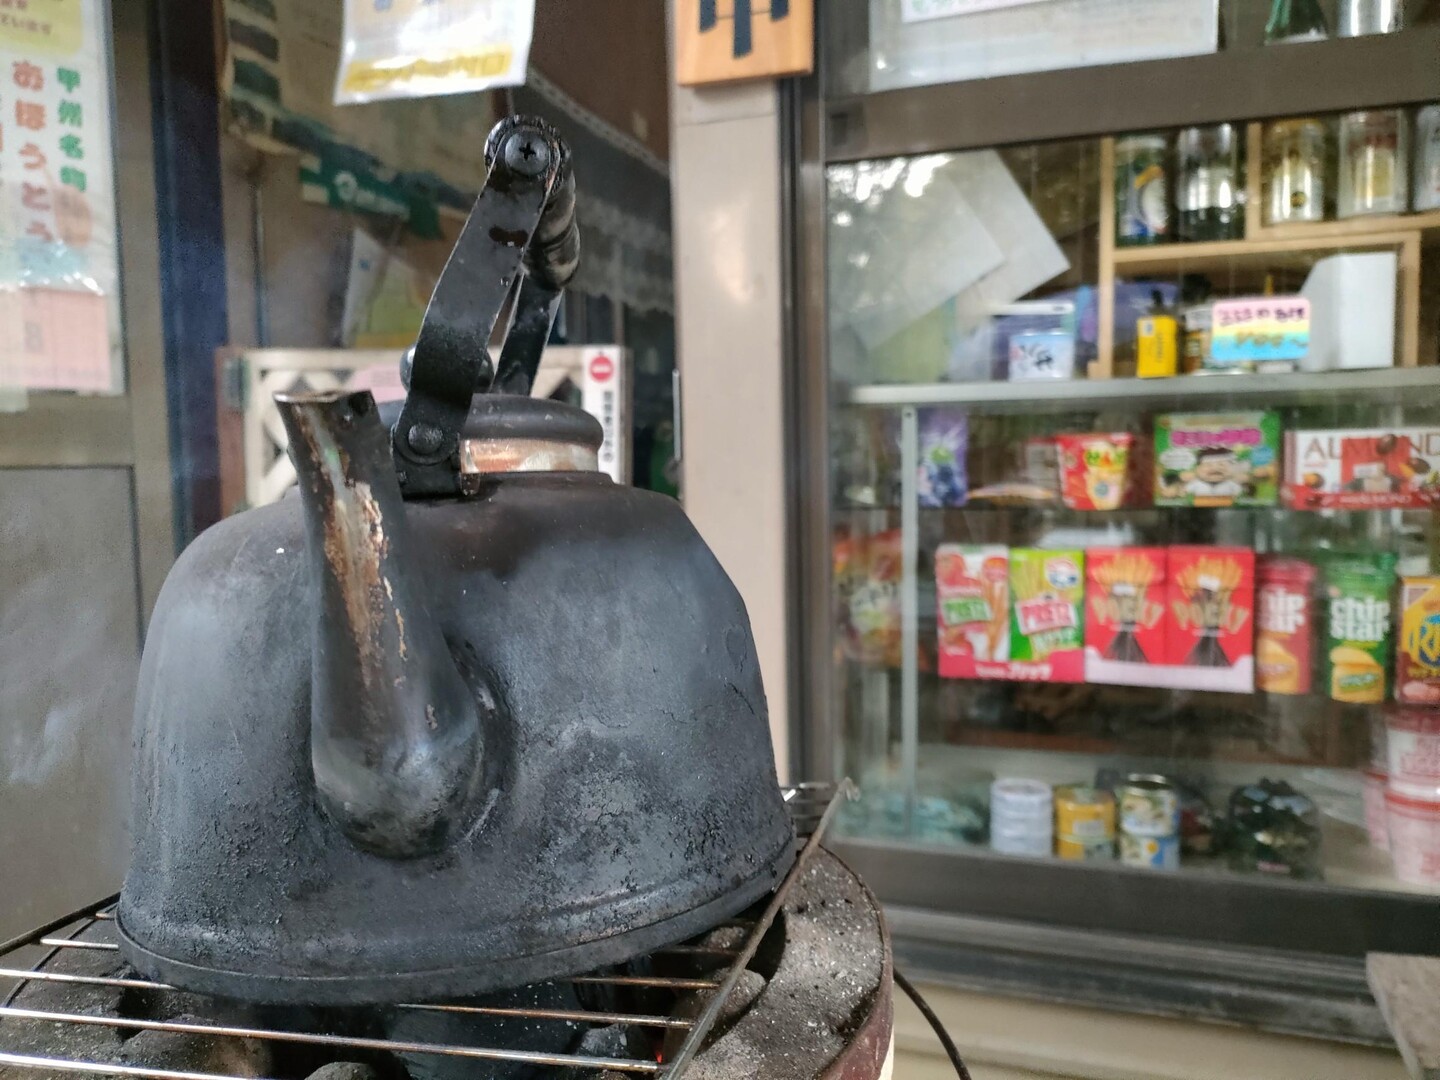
1084 823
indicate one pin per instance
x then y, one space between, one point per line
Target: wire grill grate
812 806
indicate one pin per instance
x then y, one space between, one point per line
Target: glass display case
1123 607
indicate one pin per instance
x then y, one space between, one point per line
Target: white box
1352 312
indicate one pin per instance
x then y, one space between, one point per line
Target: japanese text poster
58 272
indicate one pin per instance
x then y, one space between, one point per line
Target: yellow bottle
1156 355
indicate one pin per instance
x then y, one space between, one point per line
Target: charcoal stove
799 986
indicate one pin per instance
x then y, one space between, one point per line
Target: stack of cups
1412 795
1022 816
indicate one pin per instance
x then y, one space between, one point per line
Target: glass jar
1359 17
1374 154
1427 158
1294 177
1208 195
1142 191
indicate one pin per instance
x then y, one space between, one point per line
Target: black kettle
463 715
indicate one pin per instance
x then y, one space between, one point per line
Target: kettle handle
521 227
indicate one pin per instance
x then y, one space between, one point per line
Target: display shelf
992 739
1374 386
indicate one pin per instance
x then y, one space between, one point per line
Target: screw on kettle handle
522 226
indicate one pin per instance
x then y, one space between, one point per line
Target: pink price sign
1260 328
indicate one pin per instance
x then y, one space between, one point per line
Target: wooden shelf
1326 232
1226 254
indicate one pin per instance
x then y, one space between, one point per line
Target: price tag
920 10
1261 328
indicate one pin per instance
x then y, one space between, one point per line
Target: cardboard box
972 588
1047 606
1210 608
1417 676
1362 469
1217 459
1124 612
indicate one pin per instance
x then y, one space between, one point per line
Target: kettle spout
395 734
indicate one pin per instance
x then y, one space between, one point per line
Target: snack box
1378 468
972 587
1417 675
1217 459
1125 611
1210 607
1047 604
1098 471
867 581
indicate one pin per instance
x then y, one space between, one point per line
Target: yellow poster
42 27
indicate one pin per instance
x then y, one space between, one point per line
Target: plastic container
1377 825
1412 743
1414 838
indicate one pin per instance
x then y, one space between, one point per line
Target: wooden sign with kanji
719 41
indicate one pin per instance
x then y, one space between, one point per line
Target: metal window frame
1231 949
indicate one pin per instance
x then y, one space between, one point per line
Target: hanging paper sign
920 10
605 395
58 273
1260 328
422 48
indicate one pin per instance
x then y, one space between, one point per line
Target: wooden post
1104 366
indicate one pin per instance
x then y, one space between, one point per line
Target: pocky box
1125 606
1362 469
1047 629
1217 459
1417 675
1358 626
972 587
1211 606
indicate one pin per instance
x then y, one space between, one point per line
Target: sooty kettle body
461 714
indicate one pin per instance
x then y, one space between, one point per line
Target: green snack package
1359 626
1217 459
1047 591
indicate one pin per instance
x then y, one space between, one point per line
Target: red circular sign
601 368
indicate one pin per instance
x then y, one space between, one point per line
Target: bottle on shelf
1142 191
1156 352
1427 158
1294 171
1374 155
1360 17
1209 194
1295 20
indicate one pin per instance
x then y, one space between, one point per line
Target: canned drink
1084 822
1149 806
1160 852
1142 190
